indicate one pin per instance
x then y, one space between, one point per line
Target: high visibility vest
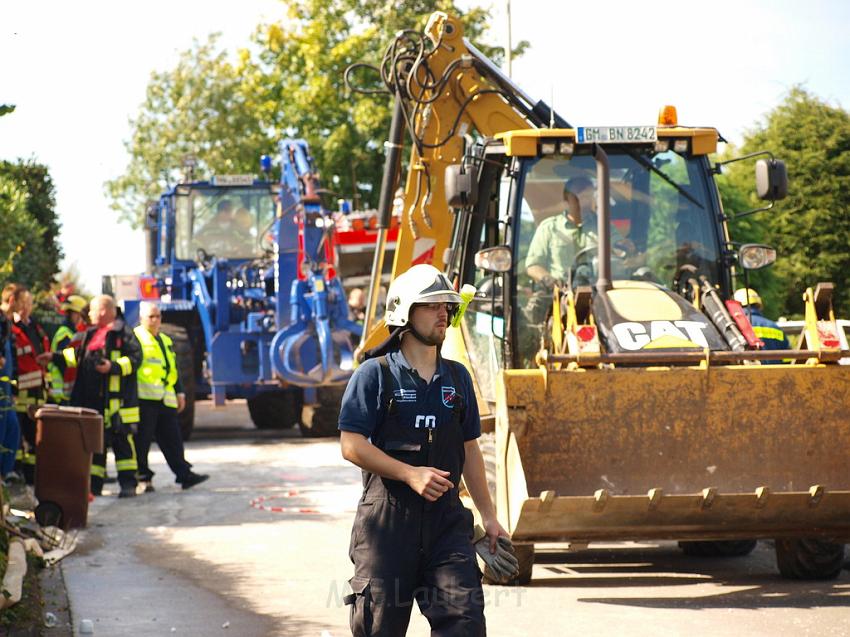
153 382
61 382
31 375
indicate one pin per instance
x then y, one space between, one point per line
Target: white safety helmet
420 284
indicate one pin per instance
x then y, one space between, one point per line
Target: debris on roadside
25 536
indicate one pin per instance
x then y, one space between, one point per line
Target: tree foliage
287 82
29 246
811 228
736 186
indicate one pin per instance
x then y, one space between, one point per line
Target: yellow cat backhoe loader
627 397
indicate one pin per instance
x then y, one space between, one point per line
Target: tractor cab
231 222
540 195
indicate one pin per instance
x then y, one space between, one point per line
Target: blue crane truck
245 273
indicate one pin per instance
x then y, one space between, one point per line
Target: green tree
811 228
198 110
29 246
18 226
287 82
737 185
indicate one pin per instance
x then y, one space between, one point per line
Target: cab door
484 323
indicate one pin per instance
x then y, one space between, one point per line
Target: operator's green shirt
557 241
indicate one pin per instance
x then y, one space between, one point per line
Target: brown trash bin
65 439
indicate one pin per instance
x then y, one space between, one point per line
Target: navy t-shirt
416 400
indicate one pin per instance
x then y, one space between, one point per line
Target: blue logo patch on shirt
449 396
405 395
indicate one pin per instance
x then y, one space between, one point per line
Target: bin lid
89 422
63 412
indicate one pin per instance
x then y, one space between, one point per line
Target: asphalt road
261 549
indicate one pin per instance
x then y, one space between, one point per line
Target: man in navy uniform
765 329
409 419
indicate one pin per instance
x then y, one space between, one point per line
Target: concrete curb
55 596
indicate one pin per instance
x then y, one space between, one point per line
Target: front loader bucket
681 453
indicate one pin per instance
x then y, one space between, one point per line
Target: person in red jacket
10 431
32 348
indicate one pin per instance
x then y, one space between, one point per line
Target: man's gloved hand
503 563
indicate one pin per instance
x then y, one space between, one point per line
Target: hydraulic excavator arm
444 91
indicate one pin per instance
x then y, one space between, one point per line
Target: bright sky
78 71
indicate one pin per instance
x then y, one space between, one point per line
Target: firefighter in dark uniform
765 329
106 381
32 348
409 419
69 334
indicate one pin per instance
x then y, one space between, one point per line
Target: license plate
616 134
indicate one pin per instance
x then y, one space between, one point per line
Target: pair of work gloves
503 564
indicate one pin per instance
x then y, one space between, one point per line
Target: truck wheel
276 409
525 557
322 419
720 548
809 558
185 354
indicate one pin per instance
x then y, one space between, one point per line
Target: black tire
276 409
322 420
185 354
809 558
48 514
720 548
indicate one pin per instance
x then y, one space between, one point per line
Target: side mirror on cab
771 179
461 186
755 256
495 259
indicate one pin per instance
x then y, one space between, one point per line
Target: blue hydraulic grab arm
315 346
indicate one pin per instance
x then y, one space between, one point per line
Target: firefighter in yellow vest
106 381
69 334
161 398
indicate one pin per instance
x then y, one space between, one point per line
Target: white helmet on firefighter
748 296
420 284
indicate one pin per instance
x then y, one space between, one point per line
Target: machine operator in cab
409 420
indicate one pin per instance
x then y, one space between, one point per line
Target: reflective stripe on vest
772 333
27 398
30 373
153 382
70 355
29 380
61 382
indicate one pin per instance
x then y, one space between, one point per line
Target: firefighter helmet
748 296
420 284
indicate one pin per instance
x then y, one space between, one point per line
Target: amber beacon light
667 116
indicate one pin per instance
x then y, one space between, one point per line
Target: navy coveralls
404 547
769 332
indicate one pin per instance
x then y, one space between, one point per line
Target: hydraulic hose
714 307
392 167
